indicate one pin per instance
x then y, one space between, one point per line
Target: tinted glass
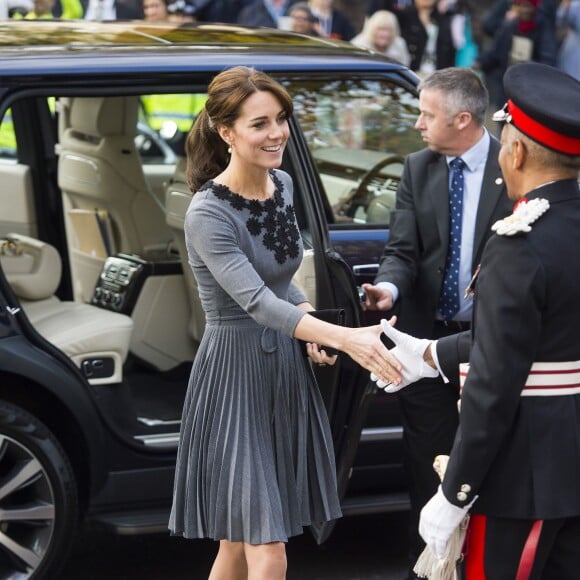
358 131
7 137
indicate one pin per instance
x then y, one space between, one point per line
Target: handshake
409 351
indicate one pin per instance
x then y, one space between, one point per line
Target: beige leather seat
100 168
177 200
85 333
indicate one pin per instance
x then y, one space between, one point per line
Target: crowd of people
425 35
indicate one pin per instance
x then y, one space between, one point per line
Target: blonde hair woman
381 33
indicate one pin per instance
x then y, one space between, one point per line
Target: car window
164 122
7 137
359 132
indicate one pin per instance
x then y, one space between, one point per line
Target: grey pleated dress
255 461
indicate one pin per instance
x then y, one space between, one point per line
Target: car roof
54 47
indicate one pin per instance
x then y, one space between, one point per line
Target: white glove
409 352
439 519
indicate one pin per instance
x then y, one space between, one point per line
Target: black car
99 313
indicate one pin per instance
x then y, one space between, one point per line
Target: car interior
135 320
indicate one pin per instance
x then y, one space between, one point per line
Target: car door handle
365 269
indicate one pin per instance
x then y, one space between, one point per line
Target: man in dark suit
516 456
453 104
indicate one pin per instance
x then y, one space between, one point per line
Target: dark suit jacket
341 27
415 255
521 454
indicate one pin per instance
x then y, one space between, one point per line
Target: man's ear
519 153
463 119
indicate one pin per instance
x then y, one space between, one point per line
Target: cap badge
519 221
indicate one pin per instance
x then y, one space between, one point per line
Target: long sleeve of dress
295 295
214 248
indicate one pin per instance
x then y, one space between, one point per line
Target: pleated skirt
255 461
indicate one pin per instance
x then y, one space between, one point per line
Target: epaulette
525 213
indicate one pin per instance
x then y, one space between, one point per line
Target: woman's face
300 22
525 11
43 6
259 135
154 10
384 36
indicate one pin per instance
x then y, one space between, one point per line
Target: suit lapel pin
470 290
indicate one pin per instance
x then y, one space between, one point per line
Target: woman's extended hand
365 347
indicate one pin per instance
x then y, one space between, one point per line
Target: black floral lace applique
272 217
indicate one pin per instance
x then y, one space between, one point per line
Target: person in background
437 235
181 12
155 10
102 10
381 33
516 456
523 36
264 13
331 22
427 32
303 21
390 5
255 462
219 10
568 20
11 8
503 10
43 9
466 48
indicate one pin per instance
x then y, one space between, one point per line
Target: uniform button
466 488
462 496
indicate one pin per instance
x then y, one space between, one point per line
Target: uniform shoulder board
524 214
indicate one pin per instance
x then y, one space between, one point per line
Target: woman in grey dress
255 461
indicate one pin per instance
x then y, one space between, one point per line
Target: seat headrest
33 268
104 116
179 175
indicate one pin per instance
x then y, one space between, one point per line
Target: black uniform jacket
521 455
415 255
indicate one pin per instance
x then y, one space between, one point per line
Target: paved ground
361 548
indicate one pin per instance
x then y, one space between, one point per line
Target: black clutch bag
332 315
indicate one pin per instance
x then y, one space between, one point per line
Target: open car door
345 387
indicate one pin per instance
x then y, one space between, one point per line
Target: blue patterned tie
449 299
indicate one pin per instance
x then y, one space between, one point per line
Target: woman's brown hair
207 154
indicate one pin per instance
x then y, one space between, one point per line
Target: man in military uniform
516 456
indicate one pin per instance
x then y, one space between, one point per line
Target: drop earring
230 150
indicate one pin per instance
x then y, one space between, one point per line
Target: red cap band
540 133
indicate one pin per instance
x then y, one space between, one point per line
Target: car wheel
38 498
